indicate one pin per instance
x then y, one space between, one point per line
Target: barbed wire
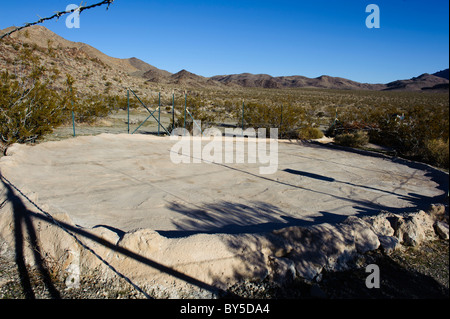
57 15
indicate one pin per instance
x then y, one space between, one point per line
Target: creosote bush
31 108
355 139
436 151
309 133
27 112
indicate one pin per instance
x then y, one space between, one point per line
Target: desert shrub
91 108
289 119
354 139
30 107
116 102
195 110
403 121
436 152
88 108
257 115
292 118
309 133
28 110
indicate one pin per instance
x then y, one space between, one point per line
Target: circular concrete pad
126 182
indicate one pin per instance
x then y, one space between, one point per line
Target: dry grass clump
437 151
355 139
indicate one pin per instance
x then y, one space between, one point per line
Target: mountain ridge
143 72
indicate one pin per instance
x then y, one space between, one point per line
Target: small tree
28 107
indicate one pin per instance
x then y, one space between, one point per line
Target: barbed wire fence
75 232
57 15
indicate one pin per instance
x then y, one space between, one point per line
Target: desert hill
423 82
442 74
267 81
95 71
182 78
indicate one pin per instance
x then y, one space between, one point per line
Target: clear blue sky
282 37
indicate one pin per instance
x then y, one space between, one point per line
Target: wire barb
57 15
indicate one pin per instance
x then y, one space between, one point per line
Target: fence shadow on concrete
410 197
225 217
24 216
236 218
440 177
24 230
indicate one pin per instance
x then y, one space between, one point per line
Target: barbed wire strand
57 15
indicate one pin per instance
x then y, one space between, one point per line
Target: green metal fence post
128 108
73 122
159 112
281 117
173 111
185 106
151 114
73 115
194 122
243 107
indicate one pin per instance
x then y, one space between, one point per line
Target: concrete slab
127 182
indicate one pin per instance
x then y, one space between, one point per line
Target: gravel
420 272
411 273
91 287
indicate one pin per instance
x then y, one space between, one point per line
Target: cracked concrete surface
213 222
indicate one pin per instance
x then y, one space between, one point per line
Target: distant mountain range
93 69
423 82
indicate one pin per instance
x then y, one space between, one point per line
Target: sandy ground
127 182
